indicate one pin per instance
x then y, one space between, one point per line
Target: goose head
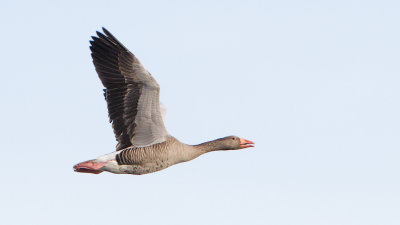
226 143
234 143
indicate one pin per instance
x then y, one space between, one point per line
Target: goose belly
142 161
143 168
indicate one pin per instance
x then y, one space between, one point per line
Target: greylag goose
132 96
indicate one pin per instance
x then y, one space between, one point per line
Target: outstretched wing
132 94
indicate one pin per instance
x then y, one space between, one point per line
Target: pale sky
314 83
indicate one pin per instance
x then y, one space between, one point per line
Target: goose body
132 95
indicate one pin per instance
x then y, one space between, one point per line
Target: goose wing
132 94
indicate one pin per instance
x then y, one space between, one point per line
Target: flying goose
133 100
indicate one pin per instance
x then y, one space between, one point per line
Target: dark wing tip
105 30
99 34
111 38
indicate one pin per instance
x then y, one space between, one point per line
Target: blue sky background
314 83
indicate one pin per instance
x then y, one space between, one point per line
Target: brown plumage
132 97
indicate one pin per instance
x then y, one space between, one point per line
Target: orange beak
246 143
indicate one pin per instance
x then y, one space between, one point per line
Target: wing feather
132 94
